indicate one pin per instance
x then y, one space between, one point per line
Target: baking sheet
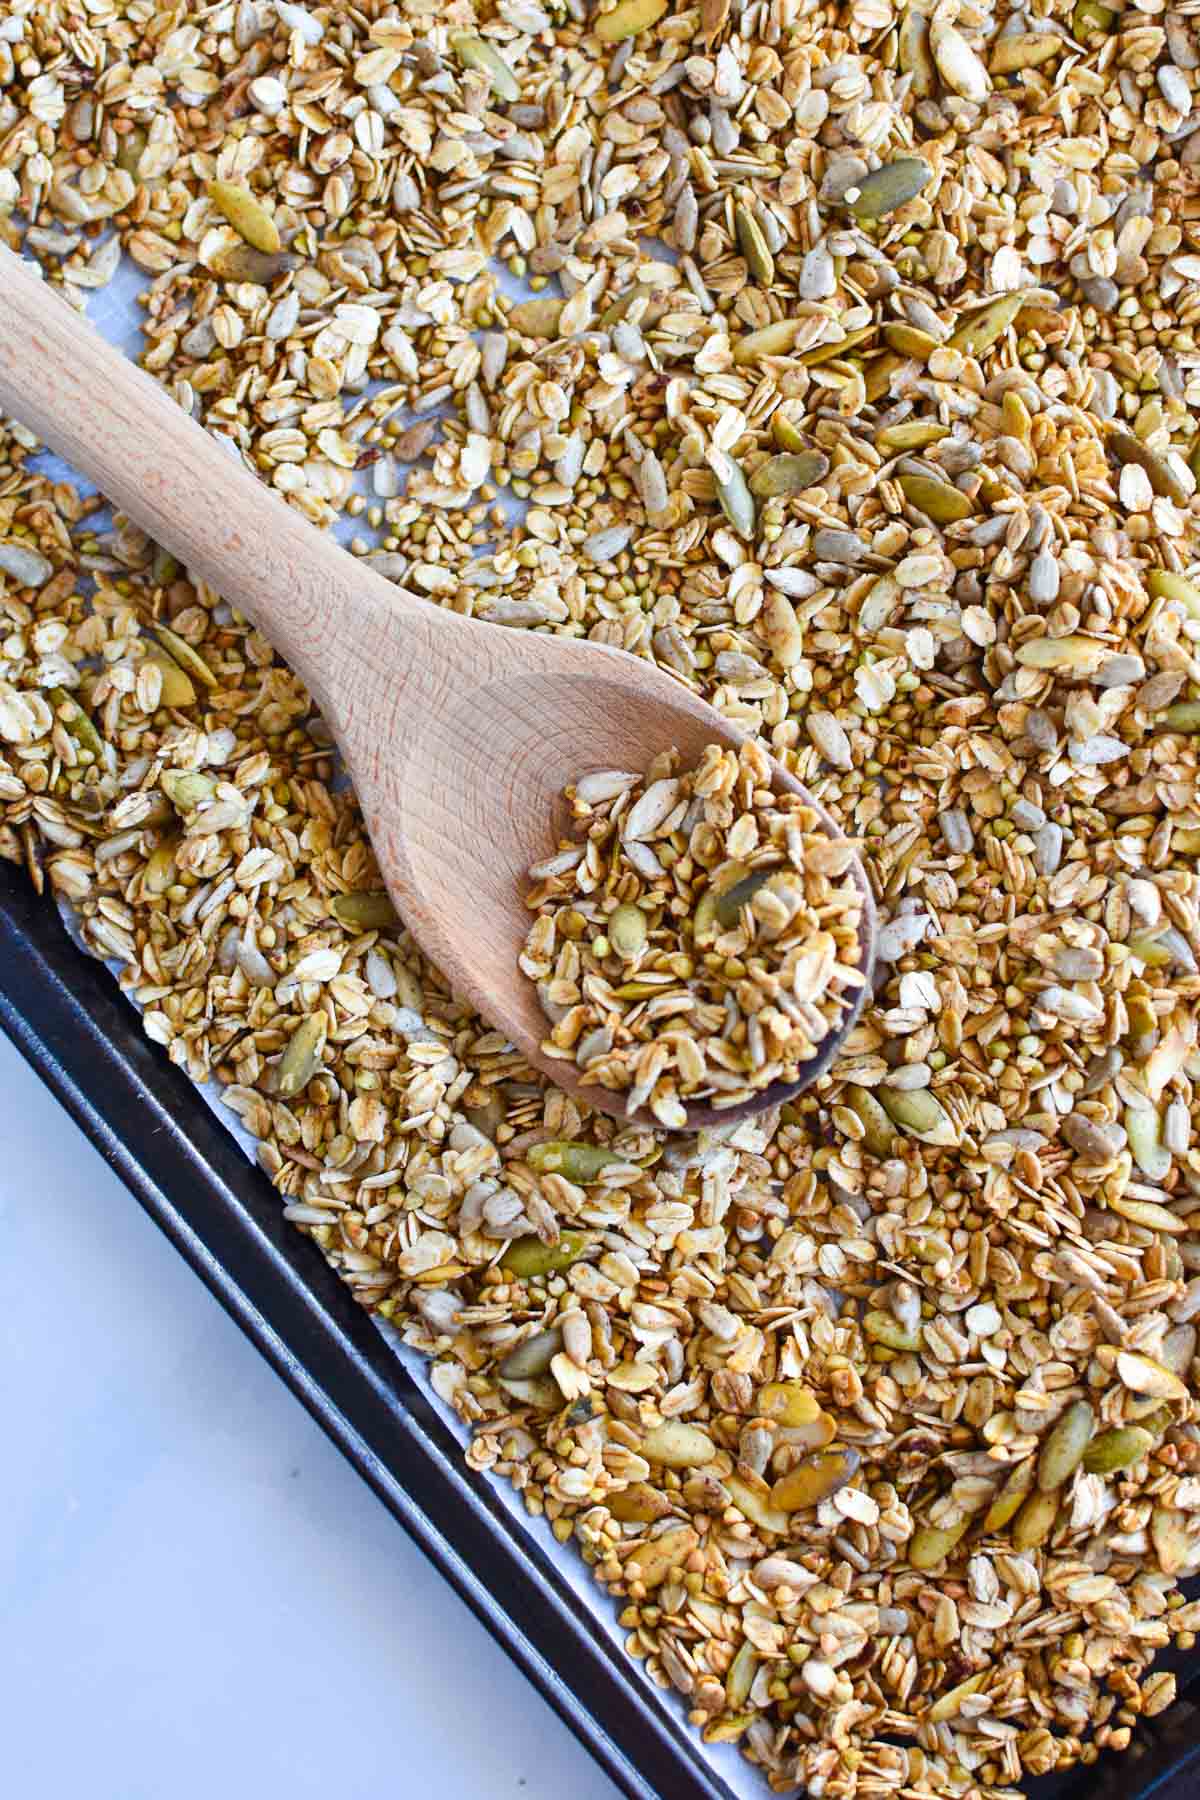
115 311
198 1180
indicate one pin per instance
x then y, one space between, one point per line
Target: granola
855 384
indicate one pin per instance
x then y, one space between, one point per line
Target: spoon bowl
566 710
459 736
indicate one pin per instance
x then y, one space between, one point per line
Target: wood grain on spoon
459 736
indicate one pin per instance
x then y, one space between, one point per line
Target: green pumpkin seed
756 1506
164 570
930 1545
879 1135
536 318
893 184
788 474
770 340
539 1391
824 353
938 500
951 1703
880 373
365 912
1183 717
1143 1375
1012 1496
177 687
729 1727
817 1436
1025 50
242 262
739 1677
1174 1544
883 1329
919 1113
529 1257
737 502
1118 1449
908 341
132 145
1157 1420
627 931
76 724
911 434
787 435
638 1504
302 1058
1036 1520
1143 1031
1163 479
1063 1450
1164 584
985 327
707 918
676 1445
815 1478
1090 18
533 1356
787 1403
753 245
627 18
160 871
249 218
612 315
1150 950
652 1562
914 54
577 1162
476 53
637 990
183 653
730 901
187 789
815 1433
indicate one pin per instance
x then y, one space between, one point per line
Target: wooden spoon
459 736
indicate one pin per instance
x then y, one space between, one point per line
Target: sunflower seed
957 64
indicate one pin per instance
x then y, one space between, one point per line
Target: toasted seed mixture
703 939
858 390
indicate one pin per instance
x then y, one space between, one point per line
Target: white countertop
199 1596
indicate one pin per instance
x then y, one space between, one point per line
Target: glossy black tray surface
68 1018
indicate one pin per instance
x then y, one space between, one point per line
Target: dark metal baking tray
66 1015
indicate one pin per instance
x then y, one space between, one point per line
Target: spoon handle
192 494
